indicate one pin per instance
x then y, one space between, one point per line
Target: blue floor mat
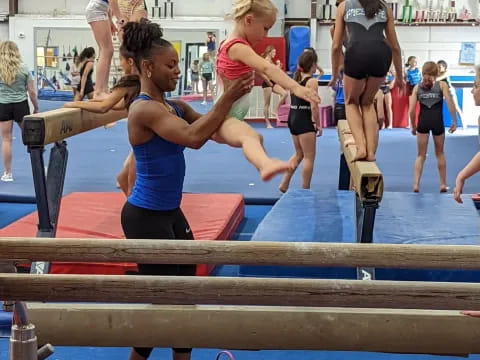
97 156
11 212
403 218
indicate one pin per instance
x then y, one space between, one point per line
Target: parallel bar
366 176
463 257
240 291
251 328
56 125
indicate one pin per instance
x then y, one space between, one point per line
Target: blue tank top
413 76
160 171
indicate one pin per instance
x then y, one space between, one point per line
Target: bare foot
370 157
348 142
416 189
273 167
443 189
361 155
268 124
282 188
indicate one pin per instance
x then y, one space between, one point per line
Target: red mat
97 215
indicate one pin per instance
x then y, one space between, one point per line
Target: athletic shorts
385 89
299 124
207 76
140 223
97 10
14 111
365 59
431 124
339 113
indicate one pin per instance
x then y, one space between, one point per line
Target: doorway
194 51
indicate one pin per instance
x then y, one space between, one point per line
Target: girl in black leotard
85 88
368 56
430 94
304 123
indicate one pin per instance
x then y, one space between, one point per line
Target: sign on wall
467 53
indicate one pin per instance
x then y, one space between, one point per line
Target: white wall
298 8
3 31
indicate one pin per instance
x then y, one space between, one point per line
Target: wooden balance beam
241 252
189 290
366 177
56 125
255 328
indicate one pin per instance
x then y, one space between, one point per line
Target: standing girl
368 57
86 61
430 94
236 57
412 75
98 17
304 123
195 76
16 84
206 70
270 86
443 76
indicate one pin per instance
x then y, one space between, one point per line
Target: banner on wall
467 53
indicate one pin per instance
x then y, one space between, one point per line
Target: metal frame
364 217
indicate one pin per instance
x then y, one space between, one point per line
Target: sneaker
7 177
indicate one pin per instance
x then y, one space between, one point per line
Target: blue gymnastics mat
5 323
403 218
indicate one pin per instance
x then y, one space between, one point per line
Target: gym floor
96 157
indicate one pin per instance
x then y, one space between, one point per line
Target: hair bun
138 36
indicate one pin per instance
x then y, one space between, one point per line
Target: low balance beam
189 290
366 176
242 252
56 125
255 328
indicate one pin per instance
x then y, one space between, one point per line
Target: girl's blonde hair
10 62
256 7
268 50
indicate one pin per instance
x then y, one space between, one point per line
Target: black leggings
140 223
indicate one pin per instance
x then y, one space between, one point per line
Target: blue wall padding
447 119
298 40
403 218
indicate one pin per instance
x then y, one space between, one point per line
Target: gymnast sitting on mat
159 130
236 57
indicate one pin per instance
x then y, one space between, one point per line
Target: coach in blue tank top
159 130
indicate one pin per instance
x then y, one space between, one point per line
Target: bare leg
422 145
103 37
238 133
379 97
439 142
294 161
205 85
6 129
370 124
353 89
308 142
267 96
388 106
277 89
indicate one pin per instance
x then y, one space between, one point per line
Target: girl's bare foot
273 167
443 188
283 188
361 155
348 142
416 189
370 157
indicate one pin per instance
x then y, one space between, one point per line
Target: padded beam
366 176
254 327
56 125
242 252
188 290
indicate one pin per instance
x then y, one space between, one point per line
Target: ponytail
372 7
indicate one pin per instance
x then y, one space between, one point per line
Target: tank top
359 27
431 101
227 67
413 76
160 167
299 108
88 82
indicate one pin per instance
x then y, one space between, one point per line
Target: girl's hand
333 82
400 83
306 94
414 130
453 127
457 192
319 132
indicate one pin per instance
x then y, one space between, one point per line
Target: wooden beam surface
242 252
366 176
56 125
168 290
253 327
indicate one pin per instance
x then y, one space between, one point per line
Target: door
193 51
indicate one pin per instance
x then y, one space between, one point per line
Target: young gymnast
372 45
430 94
444 76
304 123
85 61
120 98
236 57
98 17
